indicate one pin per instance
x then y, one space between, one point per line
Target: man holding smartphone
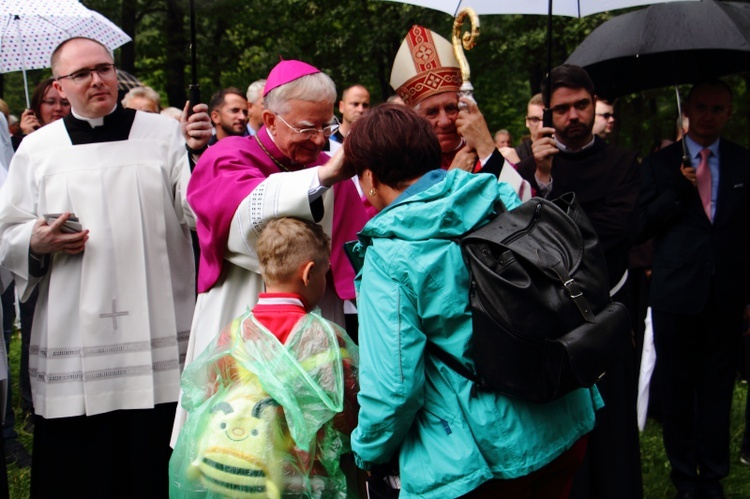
568 157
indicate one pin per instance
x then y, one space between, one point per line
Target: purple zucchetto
287 71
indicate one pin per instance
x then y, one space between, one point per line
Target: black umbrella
666 44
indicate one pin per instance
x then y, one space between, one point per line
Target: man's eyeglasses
607 116
84 75
533 120
309 133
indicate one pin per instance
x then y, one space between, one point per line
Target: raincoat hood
440 205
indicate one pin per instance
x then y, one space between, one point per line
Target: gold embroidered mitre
424 66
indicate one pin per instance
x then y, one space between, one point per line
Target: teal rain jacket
414 286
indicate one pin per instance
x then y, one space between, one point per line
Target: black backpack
543 321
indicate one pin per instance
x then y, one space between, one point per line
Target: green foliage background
354 41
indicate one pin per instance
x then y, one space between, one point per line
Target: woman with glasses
46 106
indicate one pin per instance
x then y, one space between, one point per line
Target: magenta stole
228 172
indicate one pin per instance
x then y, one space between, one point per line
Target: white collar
280 300
94 122
694 148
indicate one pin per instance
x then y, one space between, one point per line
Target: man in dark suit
699 286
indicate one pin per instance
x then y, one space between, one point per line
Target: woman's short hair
38 96
393 142
172 112
5 109
286 243
145 92
316 87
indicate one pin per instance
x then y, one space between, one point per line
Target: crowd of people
255 285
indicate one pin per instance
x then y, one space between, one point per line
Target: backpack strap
570 285
453 363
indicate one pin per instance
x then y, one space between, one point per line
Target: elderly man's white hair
145 92
316 87
255 90
172 112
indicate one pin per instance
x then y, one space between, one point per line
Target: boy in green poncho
272 401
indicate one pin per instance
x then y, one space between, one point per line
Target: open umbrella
31 29
571 8
667 44
126 81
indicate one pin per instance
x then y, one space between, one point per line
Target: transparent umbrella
126 81
571 8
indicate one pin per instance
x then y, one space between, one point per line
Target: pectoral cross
115 314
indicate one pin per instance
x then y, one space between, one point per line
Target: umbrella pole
547 114
685 154
17 20
194 91
26 88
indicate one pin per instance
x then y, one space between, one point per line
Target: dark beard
575 133
228 130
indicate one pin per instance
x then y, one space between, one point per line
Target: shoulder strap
453 363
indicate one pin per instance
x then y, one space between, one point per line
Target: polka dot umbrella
31 29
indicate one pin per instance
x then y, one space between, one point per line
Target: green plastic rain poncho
267 419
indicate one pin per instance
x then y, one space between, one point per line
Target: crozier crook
466 41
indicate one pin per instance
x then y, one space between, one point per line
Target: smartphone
71 225
36 127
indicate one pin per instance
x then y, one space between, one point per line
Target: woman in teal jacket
414 288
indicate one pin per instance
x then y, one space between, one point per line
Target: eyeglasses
606 116
533 120
309 133
54 102
84 75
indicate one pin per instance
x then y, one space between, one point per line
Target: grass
655 467
18 479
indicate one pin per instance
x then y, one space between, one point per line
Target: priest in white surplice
241 182
116 298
